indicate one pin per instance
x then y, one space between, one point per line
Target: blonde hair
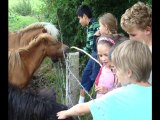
109 20
139 15
135 56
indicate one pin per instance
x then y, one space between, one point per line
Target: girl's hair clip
106 39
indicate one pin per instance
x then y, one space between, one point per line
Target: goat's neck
35 58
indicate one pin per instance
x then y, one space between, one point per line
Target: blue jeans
90 72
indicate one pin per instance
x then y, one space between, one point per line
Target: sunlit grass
17 22
34 3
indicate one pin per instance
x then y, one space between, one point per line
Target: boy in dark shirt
91 70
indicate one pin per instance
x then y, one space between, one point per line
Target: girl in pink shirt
106 79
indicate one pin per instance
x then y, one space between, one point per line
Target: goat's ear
44 30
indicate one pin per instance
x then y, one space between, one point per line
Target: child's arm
79 109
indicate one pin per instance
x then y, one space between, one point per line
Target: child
106 79
90 72
132 101
137 22
108 25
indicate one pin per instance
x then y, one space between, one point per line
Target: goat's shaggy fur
27 104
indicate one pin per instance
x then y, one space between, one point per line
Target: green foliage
16 22
23 7
36 7
149 2
55 73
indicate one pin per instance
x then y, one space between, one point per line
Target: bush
23 8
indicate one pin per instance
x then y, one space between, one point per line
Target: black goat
28 104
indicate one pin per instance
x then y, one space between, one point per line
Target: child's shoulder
94 22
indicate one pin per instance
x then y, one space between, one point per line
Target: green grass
16 22
34 3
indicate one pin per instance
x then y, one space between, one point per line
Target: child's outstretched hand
62 114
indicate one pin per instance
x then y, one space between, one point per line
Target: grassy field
17 21
34 3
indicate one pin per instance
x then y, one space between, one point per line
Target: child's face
103 28
102 51
83 20
139 35
122 76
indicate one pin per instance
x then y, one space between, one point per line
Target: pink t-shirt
105 78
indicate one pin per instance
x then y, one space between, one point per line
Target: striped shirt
91 29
